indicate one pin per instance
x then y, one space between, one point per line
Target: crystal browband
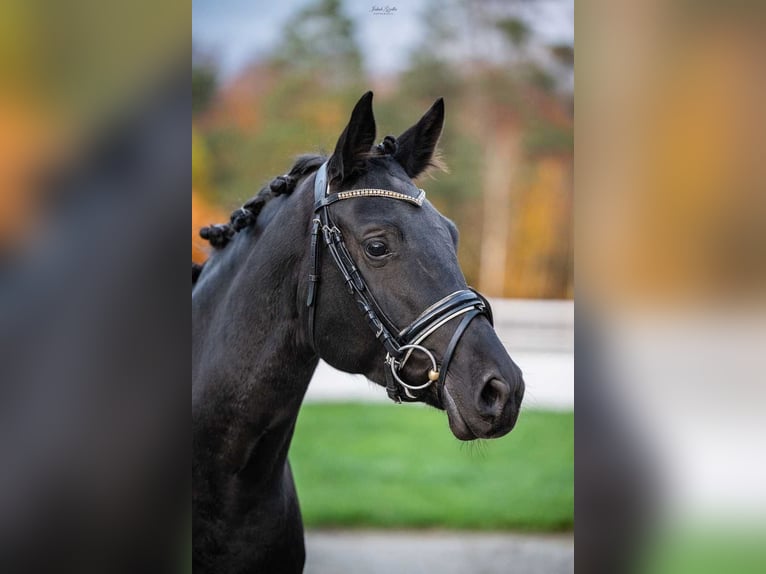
353 193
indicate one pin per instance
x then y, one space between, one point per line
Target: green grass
388 466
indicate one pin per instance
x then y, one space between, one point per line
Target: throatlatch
399 345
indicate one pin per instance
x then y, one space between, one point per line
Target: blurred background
94 320
671 266
270 82
671 269
273 80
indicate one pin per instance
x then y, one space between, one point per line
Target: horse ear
355 141
417 144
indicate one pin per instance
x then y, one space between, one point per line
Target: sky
237 31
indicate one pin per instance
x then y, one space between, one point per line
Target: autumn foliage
508 138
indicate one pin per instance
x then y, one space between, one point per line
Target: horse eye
376 249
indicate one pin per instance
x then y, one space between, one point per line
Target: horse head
379 247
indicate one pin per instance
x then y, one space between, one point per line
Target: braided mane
219 235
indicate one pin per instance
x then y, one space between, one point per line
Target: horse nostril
494 395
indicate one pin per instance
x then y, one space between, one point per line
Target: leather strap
392 388
313 279
320 190
487 306
456 336
321 186
454 302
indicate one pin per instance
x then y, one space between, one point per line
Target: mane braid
219 235
389 146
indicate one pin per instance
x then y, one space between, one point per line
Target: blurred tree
435 70
200 161
318 41
204 211
204 80
564 53
203 88
302 92
516 30
507 91
507 141
431 72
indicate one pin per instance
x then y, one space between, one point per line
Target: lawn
389 466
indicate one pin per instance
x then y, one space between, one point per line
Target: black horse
344 259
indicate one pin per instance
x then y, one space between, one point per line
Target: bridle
399 344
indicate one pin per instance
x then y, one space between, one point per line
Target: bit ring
433 374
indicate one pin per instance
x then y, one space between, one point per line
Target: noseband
399 344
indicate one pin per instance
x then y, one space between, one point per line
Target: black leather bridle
399 344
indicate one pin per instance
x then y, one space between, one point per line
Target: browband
323 198
353 193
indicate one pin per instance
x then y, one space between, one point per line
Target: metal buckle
332 234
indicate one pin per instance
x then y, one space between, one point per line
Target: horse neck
251 359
